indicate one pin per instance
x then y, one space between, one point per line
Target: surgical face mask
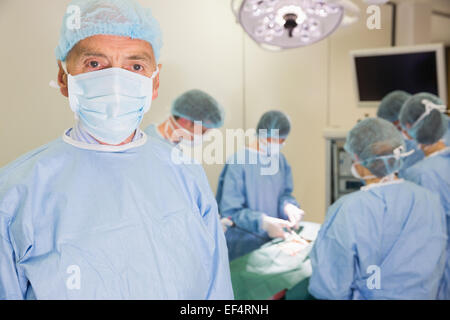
110 103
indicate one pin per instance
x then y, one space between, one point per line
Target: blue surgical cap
275 120
109 17
432 127
391 105
373 141
196 105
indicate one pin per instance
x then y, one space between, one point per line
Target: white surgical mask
110 103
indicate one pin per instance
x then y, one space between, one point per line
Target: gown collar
382 184
139 141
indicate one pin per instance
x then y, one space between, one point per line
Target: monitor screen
410 72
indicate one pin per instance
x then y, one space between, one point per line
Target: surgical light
283 24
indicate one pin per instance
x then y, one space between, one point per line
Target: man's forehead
105 46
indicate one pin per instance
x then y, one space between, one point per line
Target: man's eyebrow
92 54
142 56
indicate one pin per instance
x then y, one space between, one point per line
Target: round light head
287 24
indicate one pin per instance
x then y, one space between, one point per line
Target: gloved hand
294 214
226 223
274 226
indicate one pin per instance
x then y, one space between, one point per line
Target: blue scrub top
244 193
433 173
394 233
86 224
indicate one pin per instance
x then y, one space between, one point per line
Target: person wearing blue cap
423 119
258 202
389 110
193 114
386 241
101 213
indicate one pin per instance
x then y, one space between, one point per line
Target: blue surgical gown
433 173
395 231
244 194
118 225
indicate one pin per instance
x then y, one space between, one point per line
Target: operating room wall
203 48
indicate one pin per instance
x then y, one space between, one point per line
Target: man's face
106 51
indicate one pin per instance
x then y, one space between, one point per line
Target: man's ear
363 171
156 83
62 80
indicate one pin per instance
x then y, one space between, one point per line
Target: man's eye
137 67
93 64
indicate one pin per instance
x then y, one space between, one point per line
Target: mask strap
53 83
64 66
154 74
179 127
400 153
429 107
173 120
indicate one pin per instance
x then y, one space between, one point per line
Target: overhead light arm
352 12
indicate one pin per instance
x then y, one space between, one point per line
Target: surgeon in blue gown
386 241
389 109
423 120
101 213
255 189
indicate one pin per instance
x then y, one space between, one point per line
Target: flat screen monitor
411 69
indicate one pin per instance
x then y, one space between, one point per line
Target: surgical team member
389 110
190 107
424 121
260 205
100 213
386 241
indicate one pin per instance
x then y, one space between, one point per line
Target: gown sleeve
13 284
333 258
220 286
